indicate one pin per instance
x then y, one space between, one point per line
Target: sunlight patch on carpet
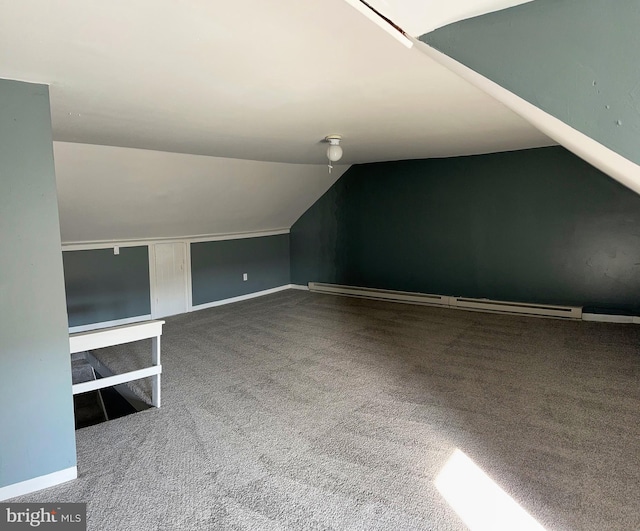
478 500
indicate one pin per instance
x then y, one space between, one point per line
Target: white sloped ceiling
248 79
112 193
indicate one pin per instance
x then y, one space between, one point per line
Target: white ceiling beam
380 21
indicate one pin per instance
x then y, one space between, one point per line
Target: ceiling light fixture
334 151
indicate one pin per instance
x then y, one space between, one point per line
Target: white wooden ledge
118 335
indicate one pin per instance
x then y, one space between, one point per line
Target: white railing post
155 380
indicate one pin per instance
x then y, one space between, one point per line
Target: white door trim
188 284
152 278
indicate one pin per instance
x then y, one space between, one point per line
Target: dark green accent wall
217 267
102 286
576 60
538 225
37 435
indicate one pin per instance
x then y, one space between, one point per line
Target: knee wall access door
169 286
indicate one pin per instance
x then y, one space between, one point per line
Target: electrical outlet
116 249
245 276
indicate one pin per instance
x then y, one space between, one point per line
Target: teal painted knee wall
37 433
217 267
102 286
537 225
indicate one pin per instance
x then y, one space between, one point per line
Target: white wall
114 193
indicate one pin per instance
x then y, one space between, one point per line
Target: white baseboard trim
240 298
606 318
108 324
301 287
39 483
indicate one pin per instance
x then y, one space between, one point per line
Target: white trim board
189 279
108 324
241 298
39 483
606 160
116 379
107 244
375 17
117 335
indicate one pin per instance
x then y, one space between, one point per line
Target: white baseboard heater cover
463 303
381 294
546 310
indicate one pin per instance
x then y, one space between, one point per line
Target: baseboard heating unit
462 303
543 310
380 294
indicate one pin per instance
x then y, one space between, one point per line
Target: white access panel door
169 271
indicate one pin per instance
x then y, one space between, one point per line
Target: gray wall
217 267
101 286
576 60
36 409
533 226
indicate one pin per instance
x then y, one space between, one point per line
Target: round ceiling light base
334 151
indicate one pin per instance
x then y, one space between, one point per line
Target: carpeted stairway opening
94 407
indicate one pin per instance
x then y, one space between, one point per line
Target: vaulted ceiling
253 79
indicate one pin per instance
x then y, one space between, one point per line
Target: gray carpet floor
308 411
